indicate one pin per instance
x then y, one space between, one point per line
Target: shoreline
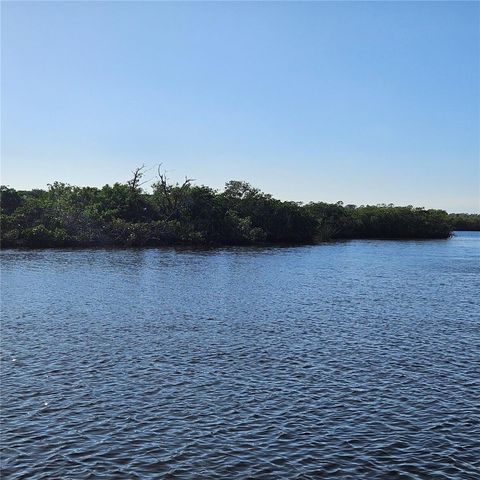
221 246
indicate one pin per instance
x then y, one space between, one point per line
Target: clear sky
360 102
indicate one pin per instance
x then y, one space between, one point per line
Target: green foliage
123 214
10 200
41 236
465 221
381 221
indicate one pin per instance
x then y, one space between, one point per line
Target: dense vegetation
125 215
465 221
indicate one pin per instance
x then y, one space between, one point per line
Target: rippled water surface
347 360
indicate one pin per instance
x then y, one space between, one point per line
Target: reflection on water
357 359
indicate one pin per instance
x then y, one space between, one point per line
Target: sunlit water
357 359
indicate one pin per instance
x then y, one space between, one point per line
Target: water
357 359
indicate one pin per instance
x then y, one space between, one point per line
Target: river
355 359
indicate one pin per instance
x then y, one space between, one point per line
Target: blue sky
360 102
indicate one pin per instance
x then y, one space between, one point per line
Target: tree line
124 214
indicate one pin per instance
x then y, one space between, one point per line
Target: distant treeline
125 215
465 221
